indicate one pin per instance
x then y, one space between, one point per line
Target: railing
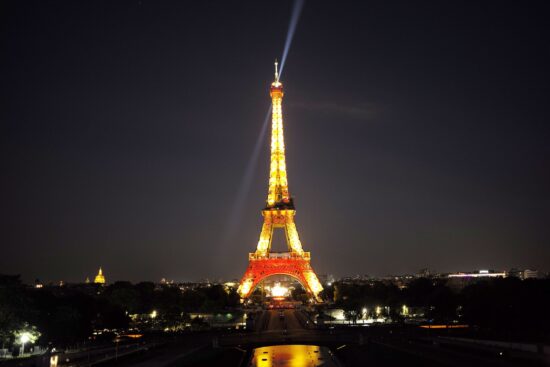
280 255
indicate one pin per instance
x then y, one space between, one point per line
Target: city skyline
92 277
130 127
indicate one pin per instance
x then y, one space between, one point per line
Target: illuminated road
283 320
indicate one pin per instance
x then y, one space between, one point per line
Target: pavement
287 326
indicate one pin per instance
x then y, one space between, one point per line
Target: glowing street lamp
24 338
28 334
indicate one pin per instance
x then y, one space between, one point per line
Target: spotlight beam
294 18
246 182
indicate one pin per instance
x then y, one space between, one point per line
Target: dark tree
13 306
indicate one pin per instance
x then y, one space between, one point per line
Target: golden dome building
99 278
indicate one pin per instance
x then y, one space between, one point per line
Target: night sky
417 135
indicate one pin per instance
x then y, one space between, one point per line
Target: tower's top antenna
276 71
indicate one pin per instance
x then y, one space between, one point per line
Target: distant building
460 280
524 274
479 274
530 274
424 273
515 273
99 278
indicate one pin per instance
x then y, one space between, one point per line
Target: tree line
503 307
69 314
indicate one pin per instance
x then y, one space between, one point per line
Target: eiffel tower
279 214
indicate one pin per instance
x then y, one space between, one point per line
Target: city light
279 291
24 338
27 335
480 274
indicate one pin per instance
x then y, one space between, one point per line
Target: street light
153 315
28 334
24 338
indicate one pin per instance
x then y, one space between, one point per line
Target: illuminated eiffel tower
279 214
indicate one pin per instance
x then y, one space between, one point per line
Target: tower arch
298 279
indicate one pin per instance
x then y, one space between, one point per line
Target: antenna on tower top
276 71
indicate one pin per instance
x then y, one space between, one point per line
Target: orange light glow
444 326
291 356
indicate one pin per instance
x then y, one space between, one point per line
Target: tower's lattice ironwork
279 214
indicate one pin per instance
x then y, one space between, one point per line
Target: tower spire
278 195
